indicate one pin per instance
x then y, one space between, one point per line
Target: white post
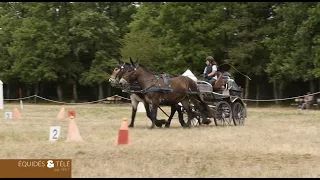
1 94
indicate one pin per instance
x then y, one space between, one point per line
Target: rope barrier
46 99
59 102
19 98
280 99
122 97
70 103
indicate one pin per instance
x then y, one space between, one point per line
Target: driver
210 70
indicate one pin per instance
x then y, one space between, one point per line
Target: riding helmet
209 58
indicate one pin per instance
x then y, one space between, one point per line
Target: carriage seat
220 82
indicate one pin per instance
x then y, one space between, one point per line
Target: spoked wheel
238 114
194 121
223 114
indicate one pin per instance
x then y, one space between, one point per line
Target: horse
138 97
178 89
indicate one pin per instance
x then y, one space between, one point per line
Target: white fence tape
46 99
283 99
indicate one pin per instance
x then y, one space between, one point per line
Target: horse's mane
145 68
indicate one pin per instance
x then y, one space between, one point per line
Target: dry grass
273 143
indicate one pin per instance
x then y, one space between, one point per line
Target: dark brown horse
178 89
138 97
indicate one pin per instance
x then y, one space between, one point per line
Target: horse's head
129 74
117 73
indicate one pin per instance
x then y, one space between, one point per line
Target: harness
165 88
134 88
165 79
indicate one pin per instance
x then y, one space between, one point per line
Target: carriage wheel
194 121
238 114
223 114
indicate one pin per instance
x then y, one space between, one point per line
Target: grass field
274 142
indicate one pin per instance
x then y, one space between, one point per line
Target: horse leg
159 123
146 105
154 114
173 111
180 115
134 104
199 106
186 106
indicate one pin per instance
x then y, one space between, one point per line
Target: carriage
226 102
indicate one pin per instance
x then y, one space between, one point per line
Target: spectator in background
307 101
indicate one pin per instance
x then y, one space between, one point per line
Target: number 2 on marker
54 133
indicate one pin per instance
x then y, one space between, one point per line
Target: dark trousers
211 81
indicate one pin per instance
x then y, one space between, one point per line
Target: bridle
120 69
131 72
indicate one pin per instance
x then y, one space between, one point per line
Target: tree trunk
319 88
275 92
36 91
60 93
74 92
313 88
246 96
109 90
41 89
94 92
100 91
28 93
8 91
280 89
257 94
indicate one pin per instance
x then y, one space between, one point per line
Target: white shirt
214 68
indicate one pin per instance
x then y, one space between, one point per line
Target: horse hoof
167 126
130 126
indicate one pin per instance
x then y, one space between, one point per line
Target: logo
50 164
35 168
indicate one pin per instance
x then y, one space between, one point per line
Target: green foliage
291 46
79 42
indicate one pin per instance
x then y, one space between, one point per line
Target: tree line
67 50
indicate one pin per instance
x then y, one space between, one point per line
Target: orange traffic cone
73 131
123 136
62 113
16 113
